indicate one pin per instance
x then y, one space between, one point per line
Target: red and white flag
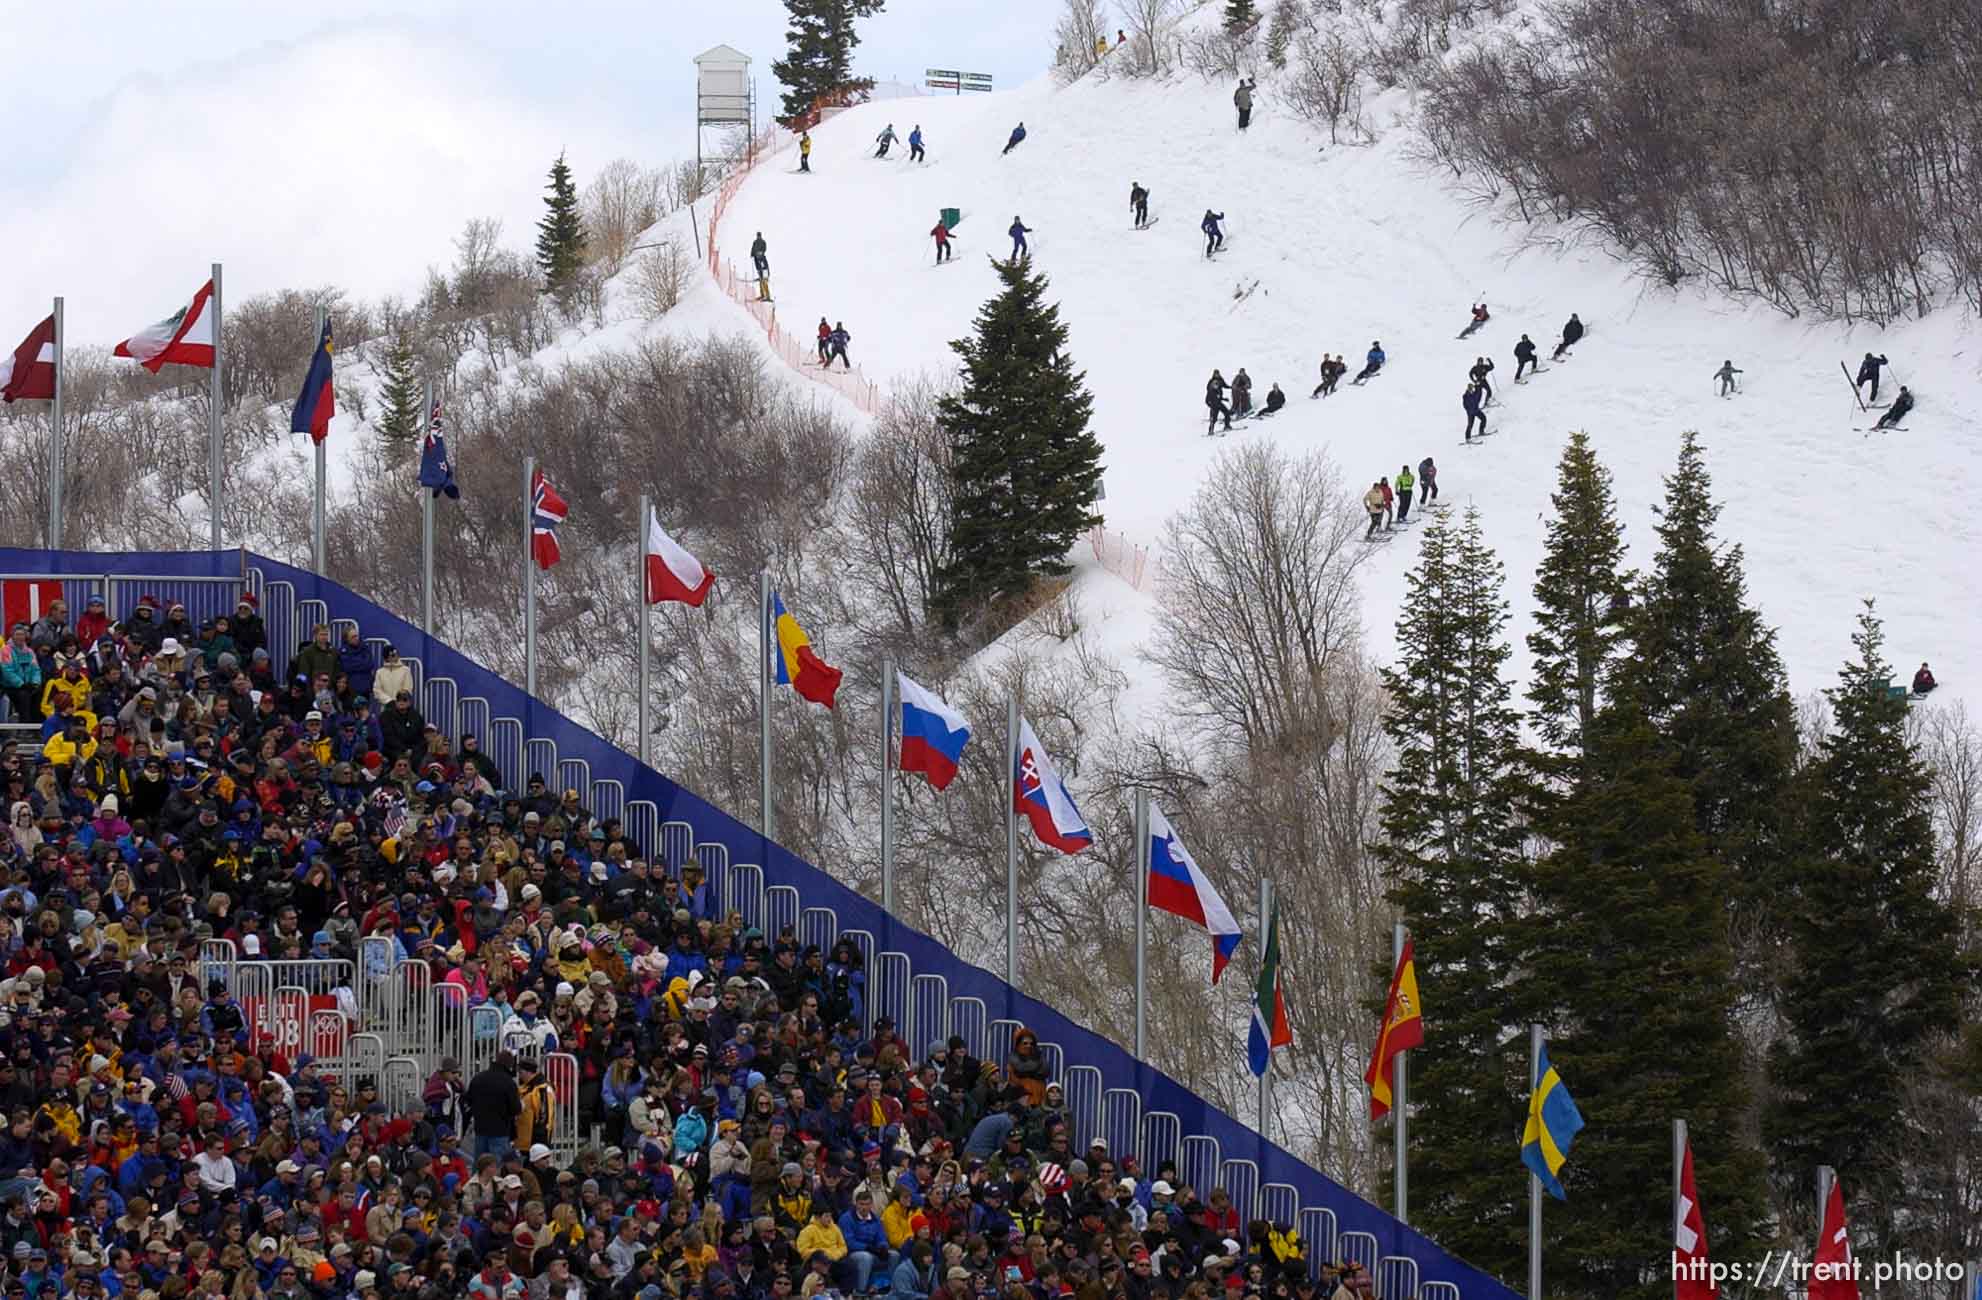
672 573
1834 1273
29 372
24 600
1692 1273
184 338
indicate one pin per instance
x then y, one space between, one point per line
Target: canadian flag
184 338
672 573
1692 1275
29 372
1834 1273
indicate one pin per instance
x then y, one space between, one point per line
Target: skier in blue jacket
1018 232
1214 238
1018 134
1475 393
915 144
1372 363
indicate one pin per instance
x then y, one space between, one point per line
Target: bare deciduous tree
623 200
1325 85
661 276
1152 25
1079 31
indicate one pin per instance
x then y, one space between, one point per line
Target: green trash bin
952 217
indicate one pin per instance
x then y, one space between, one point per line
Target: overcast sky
303 145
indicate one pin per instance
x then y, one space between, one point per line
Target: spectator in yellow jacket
69 682
822 1234
66 748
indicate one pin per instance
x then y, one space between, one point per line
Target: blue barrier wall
1159 1092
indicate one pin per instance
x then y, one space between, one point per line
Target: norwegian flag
436 470
547 511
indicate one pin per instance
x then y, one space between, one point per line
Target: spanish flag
795 662
1403 1028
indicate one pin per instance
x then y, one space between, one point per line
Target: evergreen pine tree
1452 851
1026 466
561 233
1240 14
1875 980
1280 31
1580 593
819 52
399 422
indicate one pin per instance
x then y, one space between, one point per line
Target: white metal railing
1317 1224
1397 1278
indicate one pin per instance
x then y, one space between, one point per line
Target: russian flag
933 734
1179 887
1038 792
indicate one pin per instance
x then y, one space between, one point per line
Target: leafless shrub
1325 85
1221 53
1061 618
1080 29
621 202
661 276
1150 25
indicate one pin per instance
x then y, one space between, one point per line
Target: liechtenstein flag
933 734
1042 797
318 401
1178 887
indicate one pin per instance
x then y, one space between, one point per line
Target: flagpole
646 631
1678 1173
1266 1075
427 498
1011 842
213 416
1400 1097
529 576
764 822
58 457
318 543
887 785
1534 1179
1826 1175
1142 923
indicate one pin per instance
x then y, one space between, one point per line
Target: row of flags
185 338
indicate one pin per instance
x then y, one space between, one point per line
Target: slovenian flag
184 338
1179 887
318 401
933 734
796 663
1038 792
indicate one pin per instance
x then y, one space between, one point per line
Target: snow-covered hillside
1353 245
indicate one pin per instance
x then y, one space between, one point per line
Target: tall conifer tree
819 45
561 233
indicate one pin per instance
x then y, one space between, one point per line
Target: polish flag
1692 1278
672 573
185 338
29 371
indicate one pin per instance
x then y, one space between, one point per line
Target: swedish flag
1553 1123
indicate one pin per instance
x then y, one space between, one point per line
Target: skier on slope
1139 203
1404 485
1018 136
1373 501
1571 332
1427 482
1524 357
1897 411
1275 399
1372 362
1472 401
886 138
1214 402
942 235
839 339
1868 371
1018 232
1214 238
825 341
805 150
915 153
1242 393
1389 501
1923 681
1482 367
760 255
1726 375
1332 371
1242 99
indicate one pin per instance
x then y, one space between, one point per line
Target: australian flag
436 467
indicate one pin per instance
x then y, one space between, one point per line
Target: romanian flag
795 662
1403 1028
318 401
1553 1123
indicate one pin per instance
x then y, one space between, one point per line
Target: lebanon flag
184 338
672 573
1692 1274
1834 1273
29 373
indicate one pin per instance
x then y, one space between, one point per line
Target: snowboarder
1242 99
1242 394
886 138
1404 485
915 153
1472 402
1214 238
760 255
839 338
1726 375
1018 135
1332 371
1139 203
1480 317
1427 482
1897 411
1868 371
1018 232
1570 334
1100 45
1214 402
1482 367
805 151
1524 357
1372 363
1275 399
1923 681
1373 501
1389 501
942 234
825 341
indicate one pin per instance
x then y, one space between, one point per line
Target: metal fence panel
780 911
1240 1179
818 926
746 891
204 598
540 757
677 845
931 997
484 1039
1280 1204
1450 1291
254 989
863 944
1198 1164
472 715
561 1072
289 1020
890 985
1056 1061
999 1048
970 1020
506 748
609 800
1121 1119
714 861
1318 1231
1397 1278
1162 1136
576 774
309 615
1083 1087
400 1083
279 614
327 1037
216 962
439 705
1360 1247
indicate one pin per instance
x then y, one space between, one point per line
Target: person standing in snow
805 150
915 153
1472 401
1373 501
1868 370
839 339
1139 203
1389 501
1372 363
1478 374
1018 232
1332 370
760 255
1214 238
825 341
1404 485
942 235
1242 99
1242 393
1427 482
1726 375
1524 357
1214 402
886 138
1018 137
1571 334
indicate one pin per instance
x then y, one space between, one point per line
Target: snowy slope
1354 245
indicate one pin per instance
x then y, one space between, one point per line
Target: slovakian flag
797 665
1179 887
185 338
1692 1271
1833 1273
672 573
318 401
28 373
933 734
1271 1030
1403 1028
436 468
1040 794
547 511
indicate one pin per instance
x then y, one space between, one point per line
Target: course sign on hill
950 79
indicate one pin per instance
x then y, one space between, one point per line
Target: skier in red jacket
942 234
825 340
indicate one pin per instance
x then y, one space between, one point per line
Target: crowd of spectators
753 1140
